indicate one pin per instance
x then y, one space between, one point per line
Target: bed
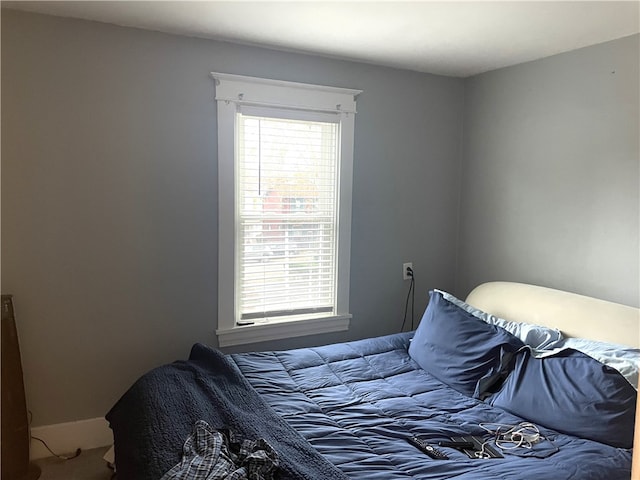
544 381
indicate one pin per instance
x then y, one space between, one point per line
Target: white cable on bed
508 437
512 437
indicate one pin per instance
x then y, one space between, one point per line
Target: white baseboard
66 438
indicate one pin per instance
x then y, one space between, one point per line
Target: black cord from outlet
410 294
413 296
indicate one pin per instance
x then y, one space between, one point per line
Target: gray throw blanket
152 420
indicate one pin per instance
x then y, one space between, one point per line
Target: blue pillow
571 392
461 350
535 336
625 360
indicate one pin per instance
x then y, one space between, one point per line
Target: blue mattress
354 403
357 402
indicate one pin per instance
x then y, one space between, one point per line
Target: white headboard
574 315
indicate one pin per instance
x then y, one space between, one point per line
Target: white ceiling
449 38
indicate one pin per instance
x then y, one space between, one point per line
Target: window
286 214
285 156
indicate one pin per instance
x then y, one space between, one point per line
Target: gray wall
109 188
551 174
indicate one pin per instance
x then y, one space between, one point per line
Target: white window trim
235 90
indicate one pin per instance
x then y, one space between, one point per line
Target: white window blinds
287 210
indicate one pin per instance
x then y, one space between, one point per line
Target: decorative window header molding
244 90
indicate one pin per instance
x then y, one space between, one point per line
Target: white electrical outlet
405 270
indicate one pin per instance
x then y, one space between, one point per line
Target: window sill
261 332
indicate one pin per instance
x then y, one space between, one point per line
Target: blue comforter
354 403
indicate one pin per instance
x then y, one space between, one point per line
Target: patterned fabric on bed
209 454
357 402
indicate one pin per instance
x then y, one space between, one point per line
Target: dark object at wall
15 427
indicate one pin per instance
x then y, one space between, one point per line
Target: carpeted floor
89 465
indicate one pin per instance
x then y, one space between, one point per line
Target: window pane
287 211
